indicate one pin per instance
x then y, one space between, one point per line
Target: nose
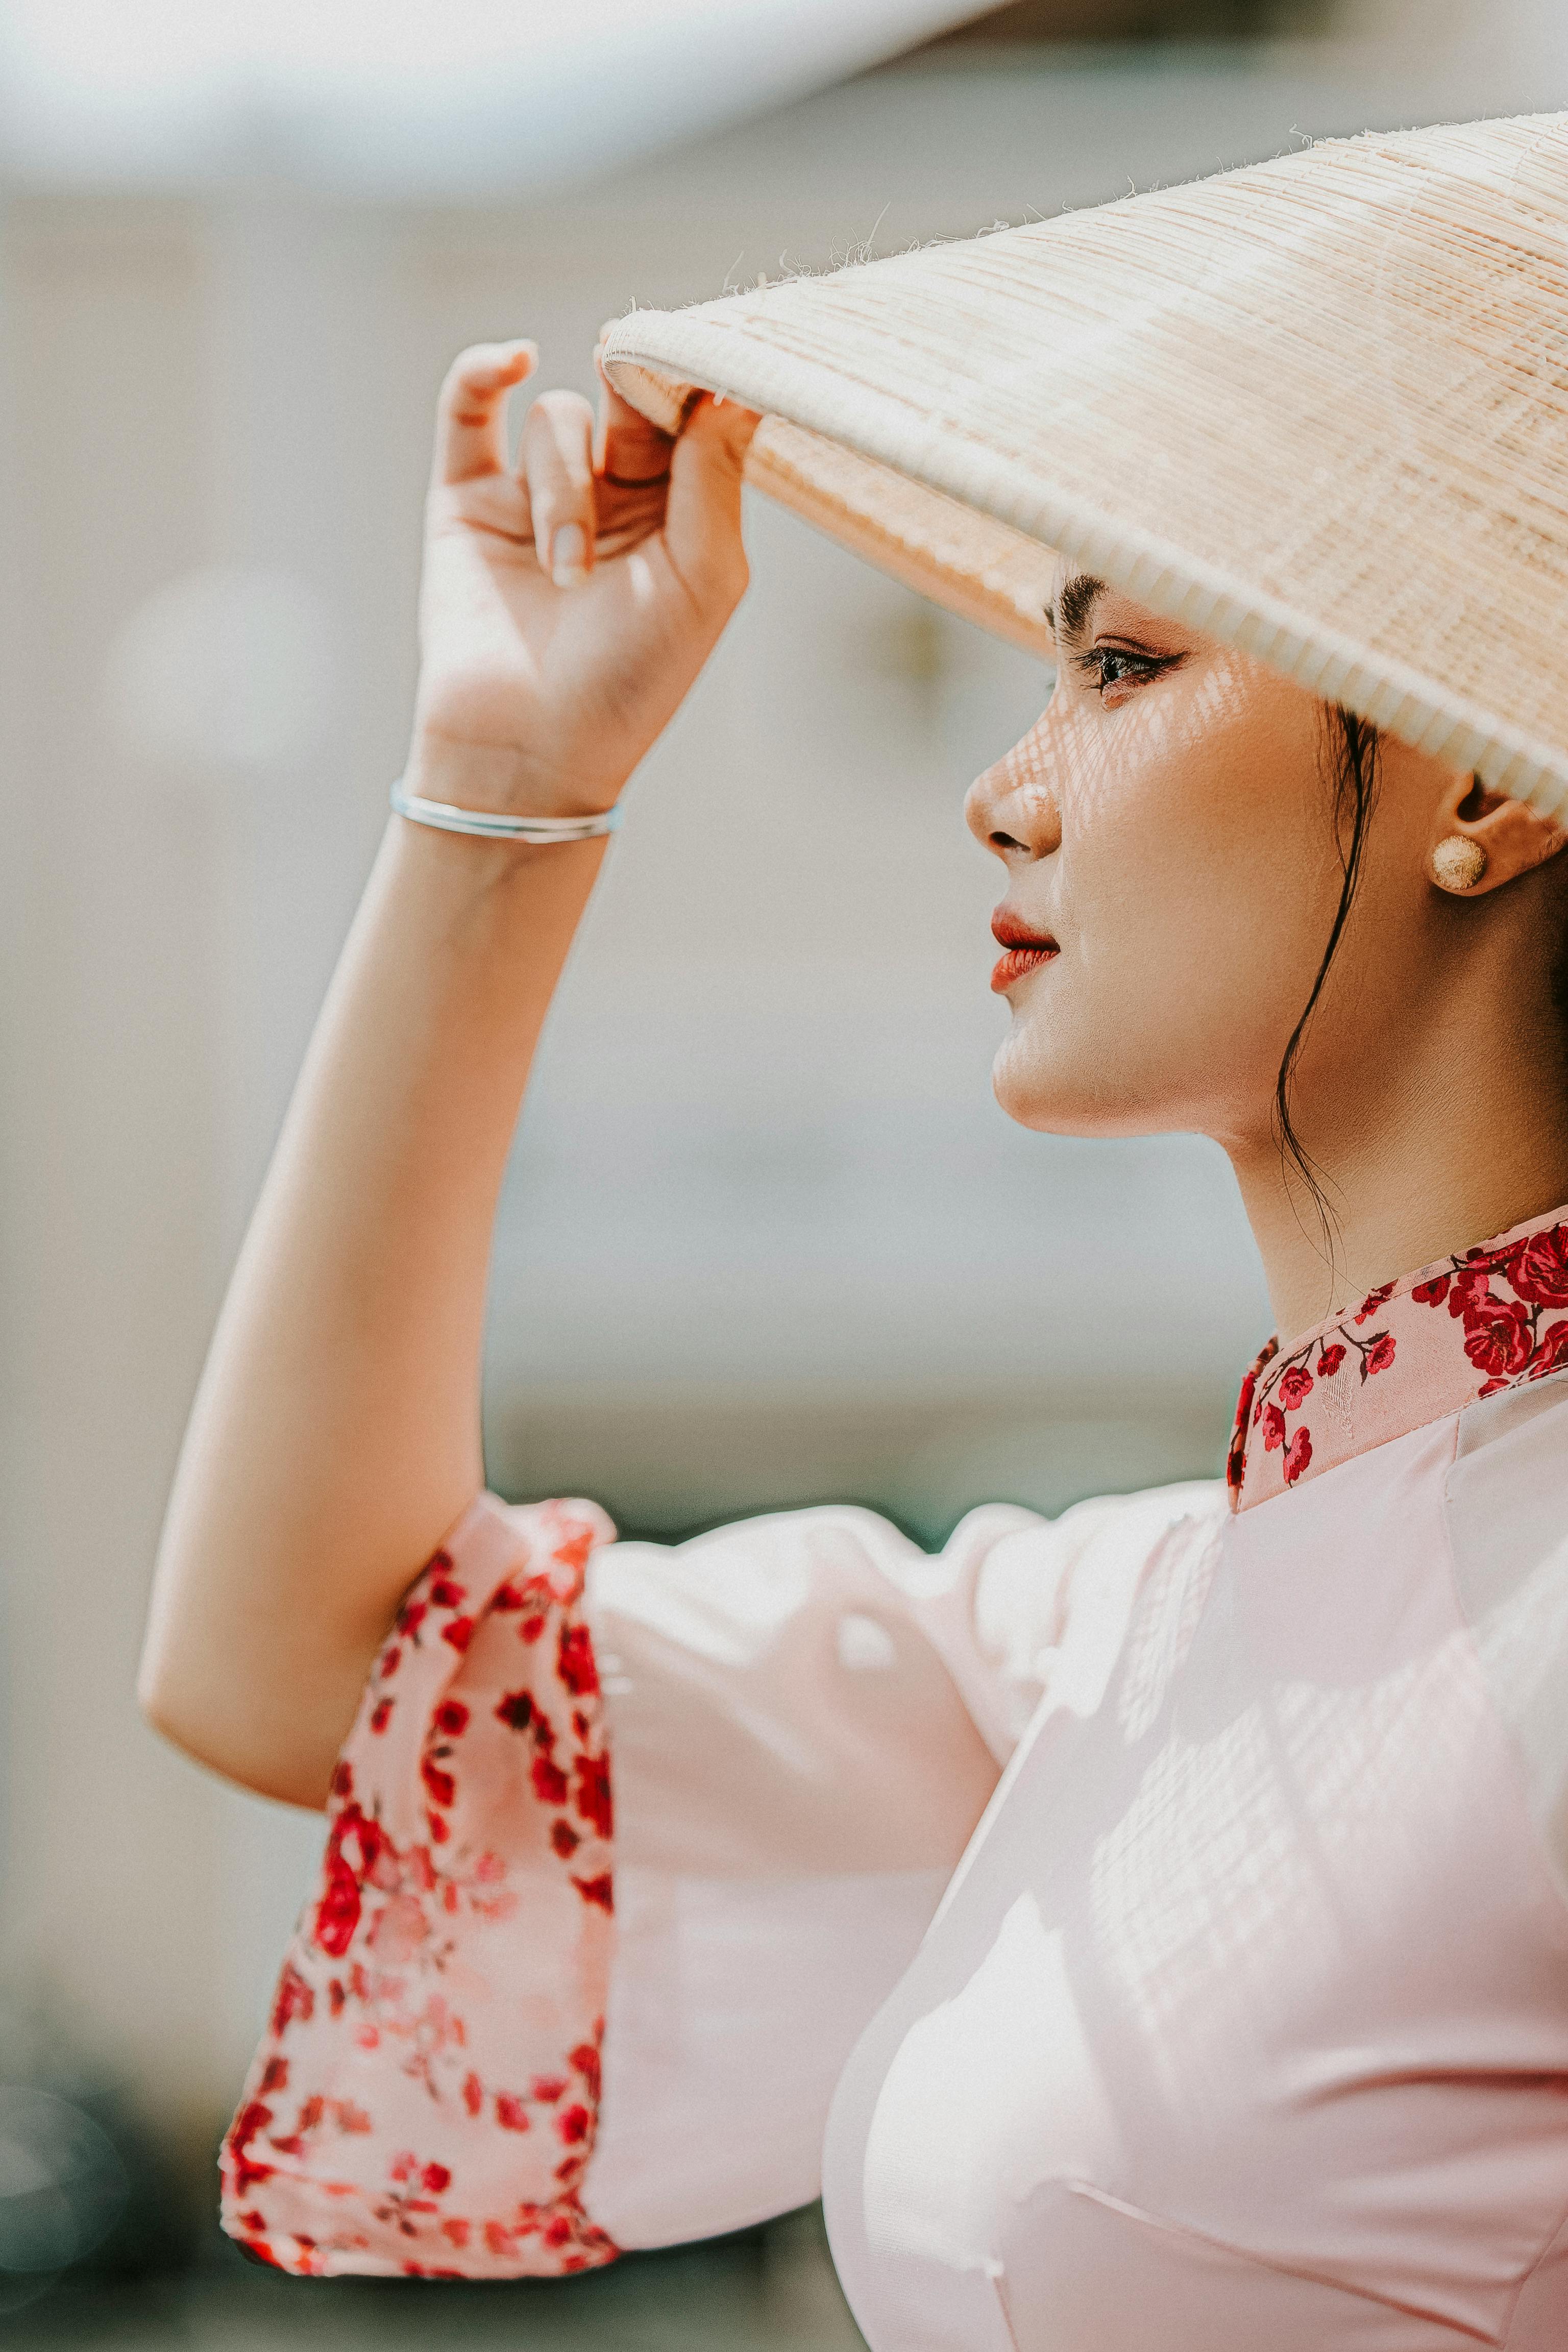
1013 810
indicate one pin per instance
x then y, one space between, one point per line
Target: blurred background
766 1239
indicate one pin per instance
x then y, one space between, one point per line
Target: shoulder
1108 1540
995 1604
786 1551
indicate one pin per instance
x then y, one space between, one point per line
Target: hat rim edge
657 360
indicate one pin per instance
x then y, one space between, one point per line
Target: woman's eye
1106 666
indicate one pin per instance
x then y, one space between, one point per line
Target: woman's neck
1460 1135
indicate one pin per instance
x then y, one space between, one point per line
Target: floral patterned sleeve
426 2099
491 2052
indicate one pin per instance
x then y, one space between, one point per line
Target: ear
1510 837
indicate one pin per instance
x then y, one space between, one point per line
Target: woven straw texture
1319 407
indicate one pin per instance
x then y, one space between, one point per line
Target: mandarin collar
1411 1352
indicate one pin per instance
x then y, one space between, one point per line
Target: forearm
336 1435
567 604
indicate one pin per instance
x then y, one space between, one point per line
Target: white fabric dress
1161 1908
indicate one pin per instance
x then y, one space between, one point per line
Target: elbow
171 1709
158 1697
174 1678
261 1694
188 1686
213 1737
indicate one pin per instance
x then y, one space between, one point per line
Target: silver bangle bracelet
491 825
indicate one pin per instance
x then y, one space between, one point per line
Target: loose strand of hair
1355 783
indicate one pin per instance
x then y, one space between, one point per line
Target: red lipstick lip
1010 930
1012 966
1026 947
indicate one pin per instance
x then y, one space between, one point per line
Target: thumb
702 515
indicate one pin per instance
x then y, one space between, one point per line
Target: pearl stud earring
1457 863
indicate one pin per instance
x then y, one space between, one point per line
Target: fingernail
568 555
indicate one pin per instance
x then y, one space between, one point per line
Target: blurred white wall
401 98
766 1236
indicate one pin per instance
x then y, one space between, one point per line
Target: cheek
1195 850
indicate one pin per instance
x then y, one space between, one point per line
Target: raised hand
567 604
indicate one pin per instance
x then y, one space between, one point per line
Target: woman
1244 2021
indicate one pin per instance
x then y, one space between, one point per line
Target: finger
556 462
702 518
471 415
630 453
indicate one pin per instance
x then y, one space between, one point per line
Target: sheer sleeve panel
425 2097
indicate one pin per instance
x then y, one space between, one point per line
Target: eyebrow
1071 609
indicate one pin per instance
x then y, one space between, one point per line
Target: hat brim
1312 407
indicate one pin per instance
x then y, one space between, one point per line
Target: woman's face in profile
1172 875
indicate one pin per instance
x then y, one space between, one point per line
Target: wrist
461 872
498 778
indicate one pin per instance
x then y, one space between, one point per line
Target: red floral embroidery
1499 1335
1504 1336
1236 1459
572 1554
1550 1353
244 2173
1537 1270
592 1774
430 1867
338 1912
585 2059
574 1663
1279 1386
292 1999
1468 1286
1498 1295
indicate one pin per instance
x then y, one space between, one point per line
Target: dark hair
1352 749
1353 746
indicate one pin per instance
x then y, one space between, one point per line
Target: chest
1253 1962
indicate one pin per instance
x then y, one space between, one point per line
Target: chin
1045 1092
1044 1099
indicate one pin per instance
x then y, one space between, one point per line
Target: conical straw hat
1318 408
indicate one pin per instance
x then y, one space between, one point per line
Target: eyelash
1092 664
